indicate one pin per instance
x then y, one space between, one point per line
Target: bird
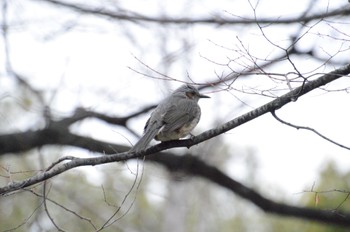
174 118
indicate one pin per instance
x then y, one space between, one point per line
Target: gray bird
174 118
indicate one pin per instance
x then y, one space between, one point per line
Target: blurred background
119 57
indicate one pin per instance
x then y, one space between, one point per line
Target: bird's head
189 92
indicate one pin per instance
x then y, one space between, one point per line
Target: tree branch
51 136
192 165
309 129
82 113
134 17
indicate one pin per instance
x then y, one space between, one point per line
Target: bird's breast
187 128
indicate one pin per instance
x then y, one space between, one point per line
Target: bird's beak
203 96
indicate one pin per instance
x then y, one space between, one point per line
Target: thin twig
136 184
47 210
309 129
63 207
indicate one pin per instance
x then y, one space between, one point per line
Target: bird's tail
147 137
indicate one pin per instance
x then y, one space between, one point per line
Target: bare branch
25 220
82 113
192 165
309 129
88 220
216 20
47 210
135 185
317 193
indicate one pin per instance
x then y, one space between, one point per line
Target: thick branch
24 141
58 133
194 166
82 113
133 17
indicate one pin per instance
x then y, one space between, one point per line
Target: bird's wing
151 129
180 114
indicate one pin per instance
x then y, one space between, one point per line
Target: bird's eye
190 95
